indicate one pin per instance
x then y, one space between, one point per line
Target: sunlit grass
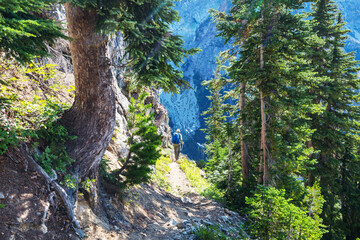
197 181
162 167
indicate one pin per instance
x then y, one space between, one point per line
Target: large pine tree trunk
263 148
344 206
230 168
244 150
92 116
263 166
309 181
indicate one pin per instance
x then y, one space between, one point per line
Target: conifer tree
24 32
337 125
270 41
144 143
216 112
216 150
301 102
153 50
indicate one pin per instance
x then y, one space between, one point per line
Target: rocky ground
152 213
28 208
145 211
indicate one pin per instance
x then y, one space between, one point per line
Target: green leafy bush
201 185
34 114
54 156
162 167
215 232
275 217
209 233
8 138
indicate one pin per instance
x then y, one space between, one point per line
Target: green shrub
54 156
201 185
209 233
275 217
215 232
162 167
201 164
70 182
26 119
8 138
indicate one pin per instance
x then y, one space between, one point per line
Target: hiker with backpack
177 141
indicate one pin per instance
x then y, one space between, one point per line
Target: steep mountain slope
351 11
31 209
199 31
185 109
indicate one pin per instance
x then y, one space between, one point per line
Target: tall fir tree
270 43
216 150
223 166
337 125
300 104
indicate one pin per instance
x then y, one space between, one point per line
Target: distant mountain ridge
198 30
351 11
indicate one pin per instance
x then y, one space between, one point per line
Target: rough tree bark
344 204
309 181
244 150
230 168
92 116
263 166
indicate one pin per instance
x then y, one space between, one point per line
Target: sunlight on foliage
215 232
35 99
144 142
87 184
162 167
69 182
275 217
201 185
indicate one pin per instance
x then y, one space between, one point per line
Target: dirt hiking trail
142 212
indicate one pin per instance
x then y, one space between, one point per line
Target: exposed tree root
22 153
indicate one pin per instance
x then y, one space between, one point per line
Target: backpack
176 138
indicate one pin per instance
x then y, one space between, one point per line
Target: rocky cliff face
199 31
351 11
118 147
